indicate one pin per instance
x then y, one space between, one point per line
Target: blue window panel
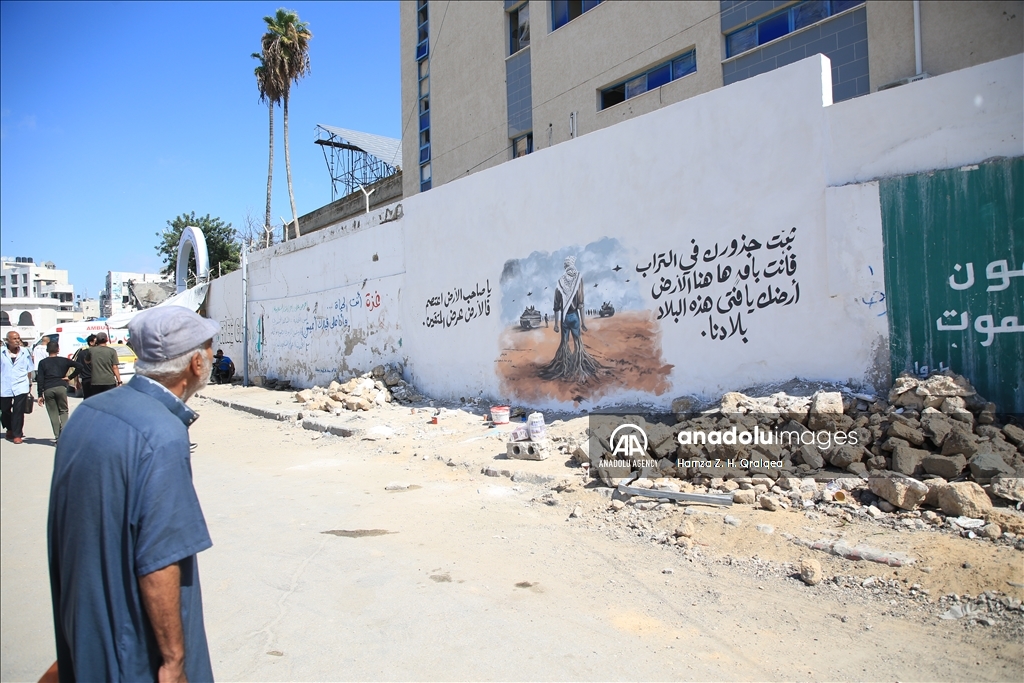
421 50
424 154
770 29
425 120
743 40
807 13
424 186
659 77
843 5
425 173
564 11
559 13
637 86
682 66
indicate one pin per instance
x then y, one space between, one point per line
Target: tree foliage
285 59
222 243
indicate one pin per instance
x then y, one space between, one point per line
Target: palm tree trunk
270 168
288 166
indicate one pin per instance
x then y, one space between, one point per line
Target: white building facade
34 296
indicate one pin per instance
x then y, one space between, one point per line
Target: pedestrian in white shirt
16 370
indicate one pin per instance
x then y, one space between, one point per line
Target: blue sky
116 117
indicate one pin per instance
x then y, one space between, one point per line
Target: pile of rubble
933 442
374 389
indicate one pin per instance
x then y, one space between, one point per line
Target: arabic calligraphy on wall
724 282
458 306
997 272
296 325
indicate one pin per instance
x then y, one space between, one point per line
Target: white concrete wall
748 162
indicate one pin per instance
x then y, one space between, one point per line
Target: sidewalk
461 437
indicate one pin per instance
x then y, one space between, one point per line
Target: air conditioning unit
903 81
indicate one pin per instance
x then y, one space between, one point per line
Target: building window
425 177
655 77
775 26
423 75
564 11
522 145
422 29
519 28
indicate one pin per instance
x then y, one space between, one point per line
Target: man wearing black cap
125 523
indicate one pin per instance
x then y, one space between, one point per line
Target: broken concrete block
1014 434
947 467
825 406
527 450
811 456
964 499
1008 487
987 465
303 396
906 432
903 492
907 460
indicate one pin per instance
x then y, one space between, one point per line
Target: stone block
811 456
907 460
906 432
1008 487
528 450
987 465
903 492
964 499
947 467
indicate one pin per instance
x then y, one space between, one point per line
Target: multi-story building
34 296
119 294
486 82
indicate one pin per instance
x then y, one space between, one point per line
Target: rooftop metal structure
356 159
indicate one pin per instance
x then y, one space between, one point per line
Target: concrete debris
810 572
1010 488
365 392
964 499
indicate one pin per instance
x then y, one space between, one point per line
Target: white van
72 336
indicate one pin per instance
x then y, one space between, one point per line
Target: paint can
536 427
499 415
433 420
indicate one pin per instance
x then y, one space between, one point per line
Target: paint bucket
536 427
499 415
433 420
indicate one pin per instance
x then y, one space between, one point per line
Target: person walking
125 523
39 351
102 361
53 388
16 370
83 377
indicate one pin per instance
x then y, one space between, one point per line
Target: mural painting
576 327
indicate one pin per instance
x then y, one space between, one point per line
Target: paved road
470 582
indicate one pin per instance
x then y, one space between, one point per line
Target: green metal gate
954 275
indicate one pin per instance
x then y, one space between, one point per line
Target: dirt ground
627 344
389 555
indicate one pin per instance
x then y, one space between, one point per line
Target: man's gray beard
201 381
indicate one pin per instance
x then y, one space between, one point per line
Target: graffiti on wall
458 306
231 331
720 283
319 334
997 272
576 327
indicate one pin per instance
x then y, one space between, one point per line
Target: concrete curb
279 415
318 425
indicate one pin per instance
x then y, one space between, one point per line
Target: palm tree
270 93
286 57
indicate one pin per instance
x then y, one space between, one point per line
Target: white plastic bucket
535 423
499 415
